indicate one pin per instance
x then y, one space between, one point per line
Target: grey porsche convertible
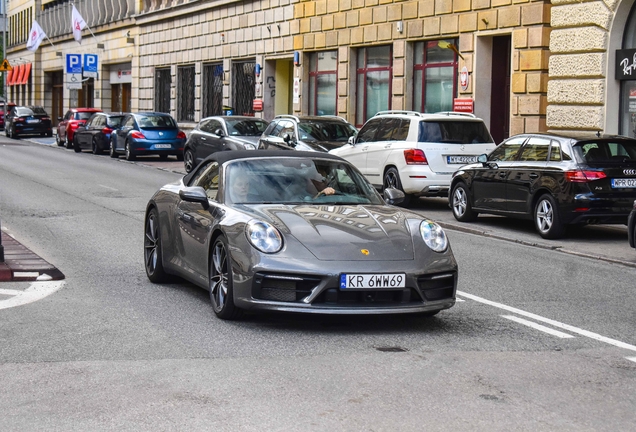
296 232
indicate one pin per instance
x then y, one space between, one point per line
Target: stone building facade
522 65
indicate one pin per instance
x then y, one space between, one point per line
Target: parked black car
27 120
95 134
631 227
555 179
220 133
307 133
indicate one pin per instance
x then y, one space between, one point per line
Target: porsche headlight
264 236
434 236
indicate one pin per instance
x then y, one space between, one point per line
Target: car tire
57 140
220 281
14 135
49 134
188 160
547 219
152 249
68 143
97 150
112 151
76 147
130 156
392 179
460 204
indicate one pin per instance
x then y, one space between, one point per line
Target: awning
9 77
27 71
18 79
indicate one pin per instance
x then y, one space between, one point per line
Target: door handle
202 138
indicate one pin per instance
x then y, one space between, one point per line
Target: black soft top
226 156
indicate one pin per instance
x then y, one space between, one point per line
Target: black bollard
1 247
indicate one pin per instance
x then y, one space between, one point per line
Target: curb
21 264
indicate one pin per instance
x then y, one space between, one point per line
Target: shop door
500 93
57 97
121 97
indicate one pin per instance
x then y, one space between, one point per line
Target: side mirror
351 140
393 196
483 158
288 140
219 132
195 194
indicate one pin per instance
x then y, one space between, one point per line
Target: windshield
296 181
155 121
83 115
317 130
246 127
458 132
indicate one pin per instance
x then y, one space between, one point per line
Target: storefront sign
296 93
121 74
463 78
463 105
626 64
257 105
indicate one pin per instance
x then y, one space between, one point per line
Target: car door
62 126
122 133
489 180
195 222
391 133
356 153
210 141
526 173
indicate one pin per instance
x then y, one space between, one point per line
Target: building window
243 90
185 95
163 82
435 76
212 90
374 74
323 83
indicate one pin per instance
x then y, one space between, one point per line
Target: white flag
78 25
36 35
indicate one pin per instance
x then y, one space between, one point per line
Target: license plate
461 159
373 280
33 121
624 183
163 145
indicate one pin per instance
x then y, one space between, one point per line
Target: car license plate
163 145
624 183
461 159
373 280
33 121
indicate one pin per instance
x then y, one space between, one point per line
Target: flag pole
47 38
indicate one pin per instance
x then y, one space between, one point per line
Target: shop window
323 83
374 73
434 75
243 90
163 82
212 90
185 93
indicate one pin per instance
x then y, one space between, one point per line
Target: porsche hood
345 233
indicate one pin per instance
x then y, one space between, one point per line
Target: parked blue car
148 133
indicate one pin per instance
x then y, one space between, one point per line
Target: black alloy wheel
68 143
392 179
547 219
58 141
14 135
152 249
460 202
76 147
112 152
221 289
130 155
188 160
97 150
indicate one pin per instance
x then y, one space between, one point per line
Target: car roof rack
456 113
404 112
288 116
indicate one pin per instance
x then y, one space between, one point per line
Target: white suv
414 152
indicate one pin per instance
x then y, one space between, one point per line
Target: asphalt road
542 339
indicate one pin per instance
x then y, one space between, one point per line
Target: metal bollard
1 247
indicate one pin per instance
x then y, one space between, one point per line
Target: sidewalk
21 264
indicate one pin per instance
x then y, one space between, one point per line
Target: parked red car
67 126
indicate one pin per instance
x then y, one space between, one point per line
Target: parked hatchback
414 152
307 133
554 179
148 133
221 133
95 134
74 118
27 120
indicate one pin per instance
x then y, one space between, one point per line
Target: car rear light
583 176
106 130
415 157
45 118
20 119
181 135
137 135
581 209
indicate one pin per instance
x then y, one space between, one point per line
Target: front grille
438 286
282 287
365 298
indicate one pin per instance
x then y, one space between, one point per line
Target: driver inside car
320 183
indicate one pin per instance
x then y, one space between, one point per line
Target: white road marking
631 359
536 326
37 291
10 292
554 323
107 187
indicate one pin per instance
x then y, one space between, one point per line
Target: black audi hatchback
554 179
